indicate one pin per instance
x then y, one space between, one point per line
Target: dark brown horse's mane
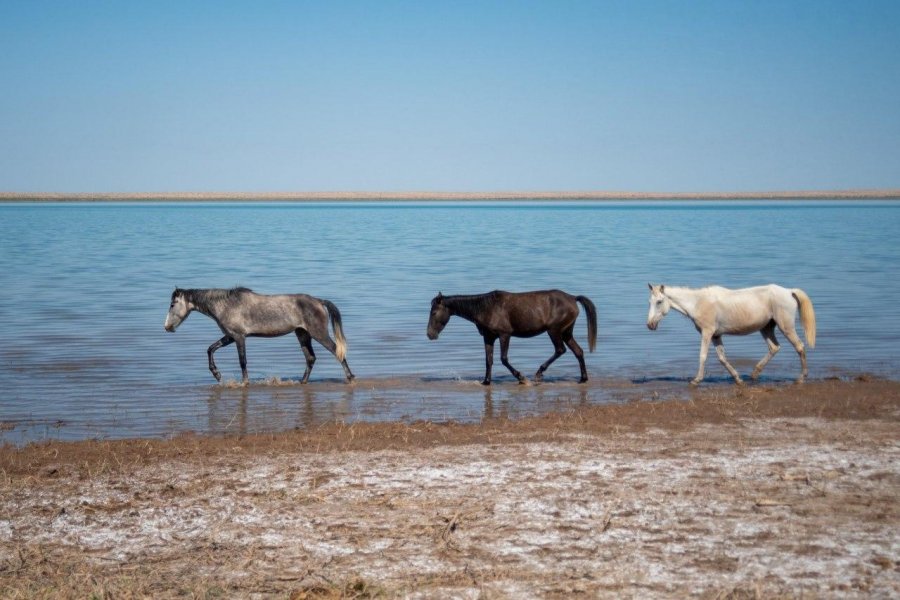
470 304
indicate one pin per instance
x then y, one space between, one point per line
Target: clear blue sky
463 96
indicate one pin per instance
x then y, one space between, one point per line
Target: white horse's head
659 305
179 309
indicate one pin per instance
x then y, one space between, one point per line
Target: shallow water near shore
84 290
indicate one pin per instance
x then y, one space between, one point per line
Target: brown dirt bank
767 491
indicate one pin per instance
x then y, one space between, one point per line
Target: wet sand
769 491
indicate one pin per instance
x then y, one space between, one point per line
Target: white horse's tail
341 350
807 316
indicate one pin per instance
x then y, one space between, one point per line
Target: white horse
716 311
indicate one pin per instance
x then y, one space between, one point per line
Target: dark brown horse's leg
559 349
504 353
488 359
212 349
242 358
306 345
579 354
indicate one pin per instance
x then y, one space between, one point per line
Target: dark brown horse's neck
469 307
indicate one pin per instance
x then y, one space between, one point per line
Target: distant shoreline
887 194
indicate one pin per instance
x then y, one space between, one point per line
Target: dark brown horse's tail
341 343
591 312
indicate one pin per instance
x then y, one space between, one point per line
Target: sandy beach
770 491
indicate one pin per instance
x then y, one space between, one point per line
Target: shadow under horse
503 315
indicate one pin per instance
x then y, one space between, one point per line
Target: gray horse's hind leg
306 344
329 345
226 340
768 333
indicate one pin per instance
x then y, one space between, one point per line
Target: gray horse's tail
333 312
591 312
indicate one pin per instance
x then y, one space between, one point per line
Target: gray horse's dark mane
206 296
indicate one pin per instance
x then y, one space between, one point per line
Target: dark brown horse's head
440 314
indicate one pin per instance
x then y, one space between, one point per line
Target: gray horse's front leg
212 349
242 358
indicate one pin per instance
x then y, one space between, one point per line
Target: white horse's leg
791 335
704 350
768 333
720 352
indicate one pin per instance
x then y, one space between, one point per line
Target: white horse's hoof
695 382
739 382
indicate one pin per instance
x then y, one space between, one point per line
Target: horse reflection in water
502 315
248 410
241 313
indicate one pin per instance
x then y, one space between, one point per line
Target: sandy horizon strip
360 196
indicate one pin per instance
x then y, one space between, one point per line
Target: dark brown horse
502 315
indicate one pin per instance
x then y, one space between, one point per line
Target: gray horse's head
179 309
659 305
440 314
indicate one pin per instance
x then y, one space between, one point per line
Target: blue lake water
84 290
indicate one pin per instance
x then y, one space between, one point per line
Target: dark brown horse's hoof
486 382
583 380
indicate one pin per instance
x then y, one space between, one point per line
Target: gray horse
240 313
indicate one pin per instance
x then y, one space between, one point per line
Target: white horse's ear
662 289
650 285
